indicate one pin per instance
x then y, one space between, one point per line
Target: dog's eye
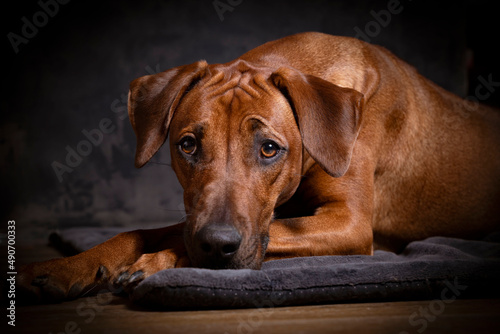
269 149
188 145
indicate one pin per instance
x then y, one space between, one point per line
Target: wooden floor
106 313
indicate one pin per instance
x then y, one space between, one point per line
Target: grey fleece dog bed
435 268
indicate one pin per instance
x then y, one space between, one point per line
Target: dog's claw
137 276
123 277
102 273
131 282
126 279
40 281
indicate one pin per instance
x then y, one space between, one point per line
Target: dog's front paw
148 264
56 280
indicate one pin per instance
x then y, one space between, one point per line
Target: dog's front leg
341 222
328 233
122 259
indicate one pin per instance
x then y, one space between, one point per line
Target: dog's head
238 136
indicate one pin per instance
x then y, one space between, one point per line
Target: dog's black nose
217 244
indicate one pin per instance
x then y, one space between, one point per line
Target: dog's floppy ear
152 101
328 116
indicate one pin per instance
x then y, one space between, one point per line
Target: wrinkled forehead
235 90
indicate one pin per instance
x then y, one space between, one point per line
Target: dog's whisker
90 290
184 218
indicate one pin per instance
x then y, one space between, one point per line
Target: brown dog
309 145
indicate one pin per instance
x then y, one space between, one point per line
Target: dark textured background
74 73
